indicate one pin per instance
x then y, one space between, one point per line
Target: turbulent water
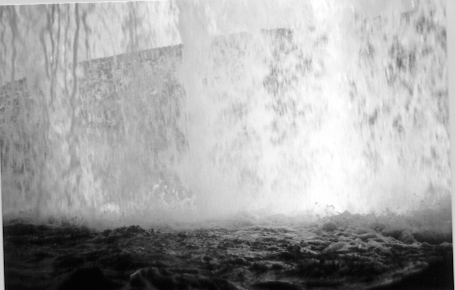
188 110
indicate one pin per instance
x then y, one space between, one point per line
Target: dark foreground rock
88 278
271 255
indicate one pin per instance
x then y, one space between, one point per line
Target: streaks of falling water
349 113
315 112
60 154
39 51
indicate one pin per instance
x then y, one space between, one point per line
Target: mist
137 113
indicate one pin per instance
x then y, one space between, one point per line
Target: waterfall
154 112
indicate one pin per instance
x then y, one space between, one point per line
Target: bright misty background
188 110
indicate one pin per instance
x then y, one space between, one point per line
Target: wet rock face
267 256
329 227
275 285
